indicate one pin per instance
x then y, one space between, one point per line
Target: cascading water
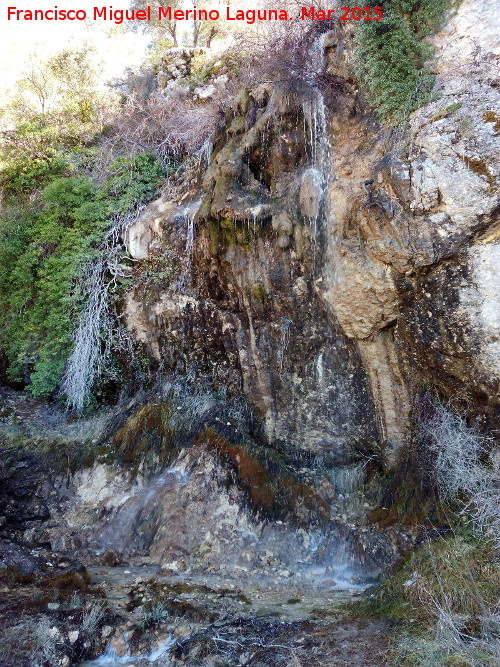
204 154
161 520
135 523
188 213
111 659
316 133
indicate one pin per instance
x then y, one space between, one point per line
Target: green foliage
132 180
30 159
44 251
391 54
39 288
458 574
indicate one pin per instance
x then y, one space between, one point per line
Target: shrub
391 54
451 584
44 254
444 649
456 577
92 618
463 473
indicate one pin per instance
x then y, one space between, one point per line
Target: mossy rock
444 113
237 126
272 492
148 433
260 294
492 117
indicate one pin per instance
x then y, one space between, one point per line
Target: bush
454 577
391 54
444 649
44 254
464 475
451 584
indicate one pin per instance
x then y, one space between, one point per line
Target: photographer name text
249 16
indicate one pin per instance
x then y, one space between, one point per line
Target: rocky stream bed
142 615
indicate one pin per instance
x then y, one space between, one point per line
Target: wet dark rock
18 559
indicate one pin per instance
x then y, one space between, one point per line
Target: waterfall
188 214
316 133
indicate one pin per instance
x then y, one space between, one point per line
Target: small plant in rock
157 271
75 602
92 618
154 615
45 643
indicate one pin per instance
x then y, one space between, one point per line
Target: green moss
225 232
444 113
260 294
102 454
272 493
148 432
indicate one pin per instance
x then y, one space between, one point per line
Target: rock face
335 269
253 318
321 271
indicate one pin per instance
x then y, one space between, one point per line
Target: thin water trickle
204 154
316 130
285 329
348 482
111 659
120 532
188 214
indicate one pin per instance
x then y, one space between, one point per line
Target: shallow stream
232 617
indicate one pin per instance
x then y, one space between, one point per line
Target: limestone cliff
334 267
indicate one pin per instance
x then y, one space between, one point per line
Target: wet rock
18 559
119 645
73 636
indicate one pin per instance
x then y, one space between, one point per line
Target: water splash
111 659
